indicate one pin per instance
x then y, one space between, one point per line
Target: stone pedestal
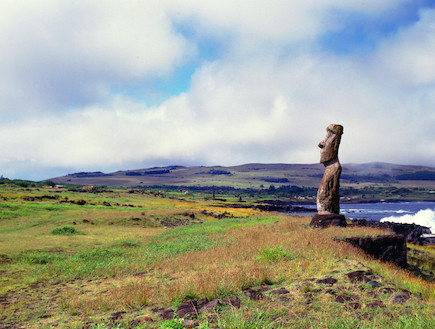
323 221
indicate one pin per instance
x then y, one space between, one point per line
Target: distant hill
254 175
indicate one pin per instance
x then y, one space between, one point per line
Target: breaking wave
424 217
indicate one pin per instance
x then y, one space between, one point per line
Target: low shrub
65 230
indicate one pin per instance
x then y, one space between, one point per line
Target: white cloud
407 58
279 20
61 54
268 98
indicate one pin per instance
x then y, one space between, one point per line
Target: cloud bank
236 82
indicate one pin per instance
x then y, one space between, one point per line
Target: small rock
167 314
374 283
280 291
328 280
284 299
388 290
253 294
210 306
234 301
353 306
399 298
357 276
373 294
117 315
187 310
375 304
200 303
342 298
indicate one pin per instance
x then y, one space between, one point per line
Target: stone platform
322 221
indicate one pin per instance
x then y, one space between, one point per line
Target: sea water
421 212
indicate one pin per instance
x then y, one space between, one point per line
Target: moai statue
328 195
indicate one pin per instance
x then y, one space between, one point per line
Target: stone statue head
329 145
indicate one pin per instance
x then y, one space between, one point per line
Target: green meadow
119 258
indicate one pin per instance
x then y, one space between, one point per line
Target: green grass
41 258
274 254
121 264
172 324
128 255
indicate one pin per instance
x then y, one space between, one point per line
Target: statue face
329 145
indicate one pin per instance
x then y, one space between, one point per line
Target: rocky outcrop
286 208
390 248
412 232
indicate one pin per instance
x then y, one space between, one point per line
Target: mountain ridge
253 175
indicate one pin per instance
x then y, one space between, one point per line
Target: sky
110 85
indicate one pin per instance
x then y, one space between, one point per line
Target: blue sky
104 85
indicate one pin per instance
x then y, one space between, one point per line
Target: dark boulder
390 248
167 314
357 276
254 294
328 280
399 298
187 310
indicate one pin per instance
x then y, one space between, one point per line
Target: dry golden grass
235 265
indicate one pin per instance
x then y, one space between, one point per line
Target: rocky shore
413 233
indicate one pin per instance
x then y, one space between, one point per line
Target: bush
65 230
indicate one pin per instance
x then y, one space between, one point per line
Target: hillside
255 175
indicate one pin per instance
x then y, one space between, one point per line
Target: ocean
421 212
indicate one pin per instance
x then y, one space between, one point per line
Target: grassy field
124 259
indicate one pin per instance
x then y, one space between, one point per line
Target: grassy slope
123 260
